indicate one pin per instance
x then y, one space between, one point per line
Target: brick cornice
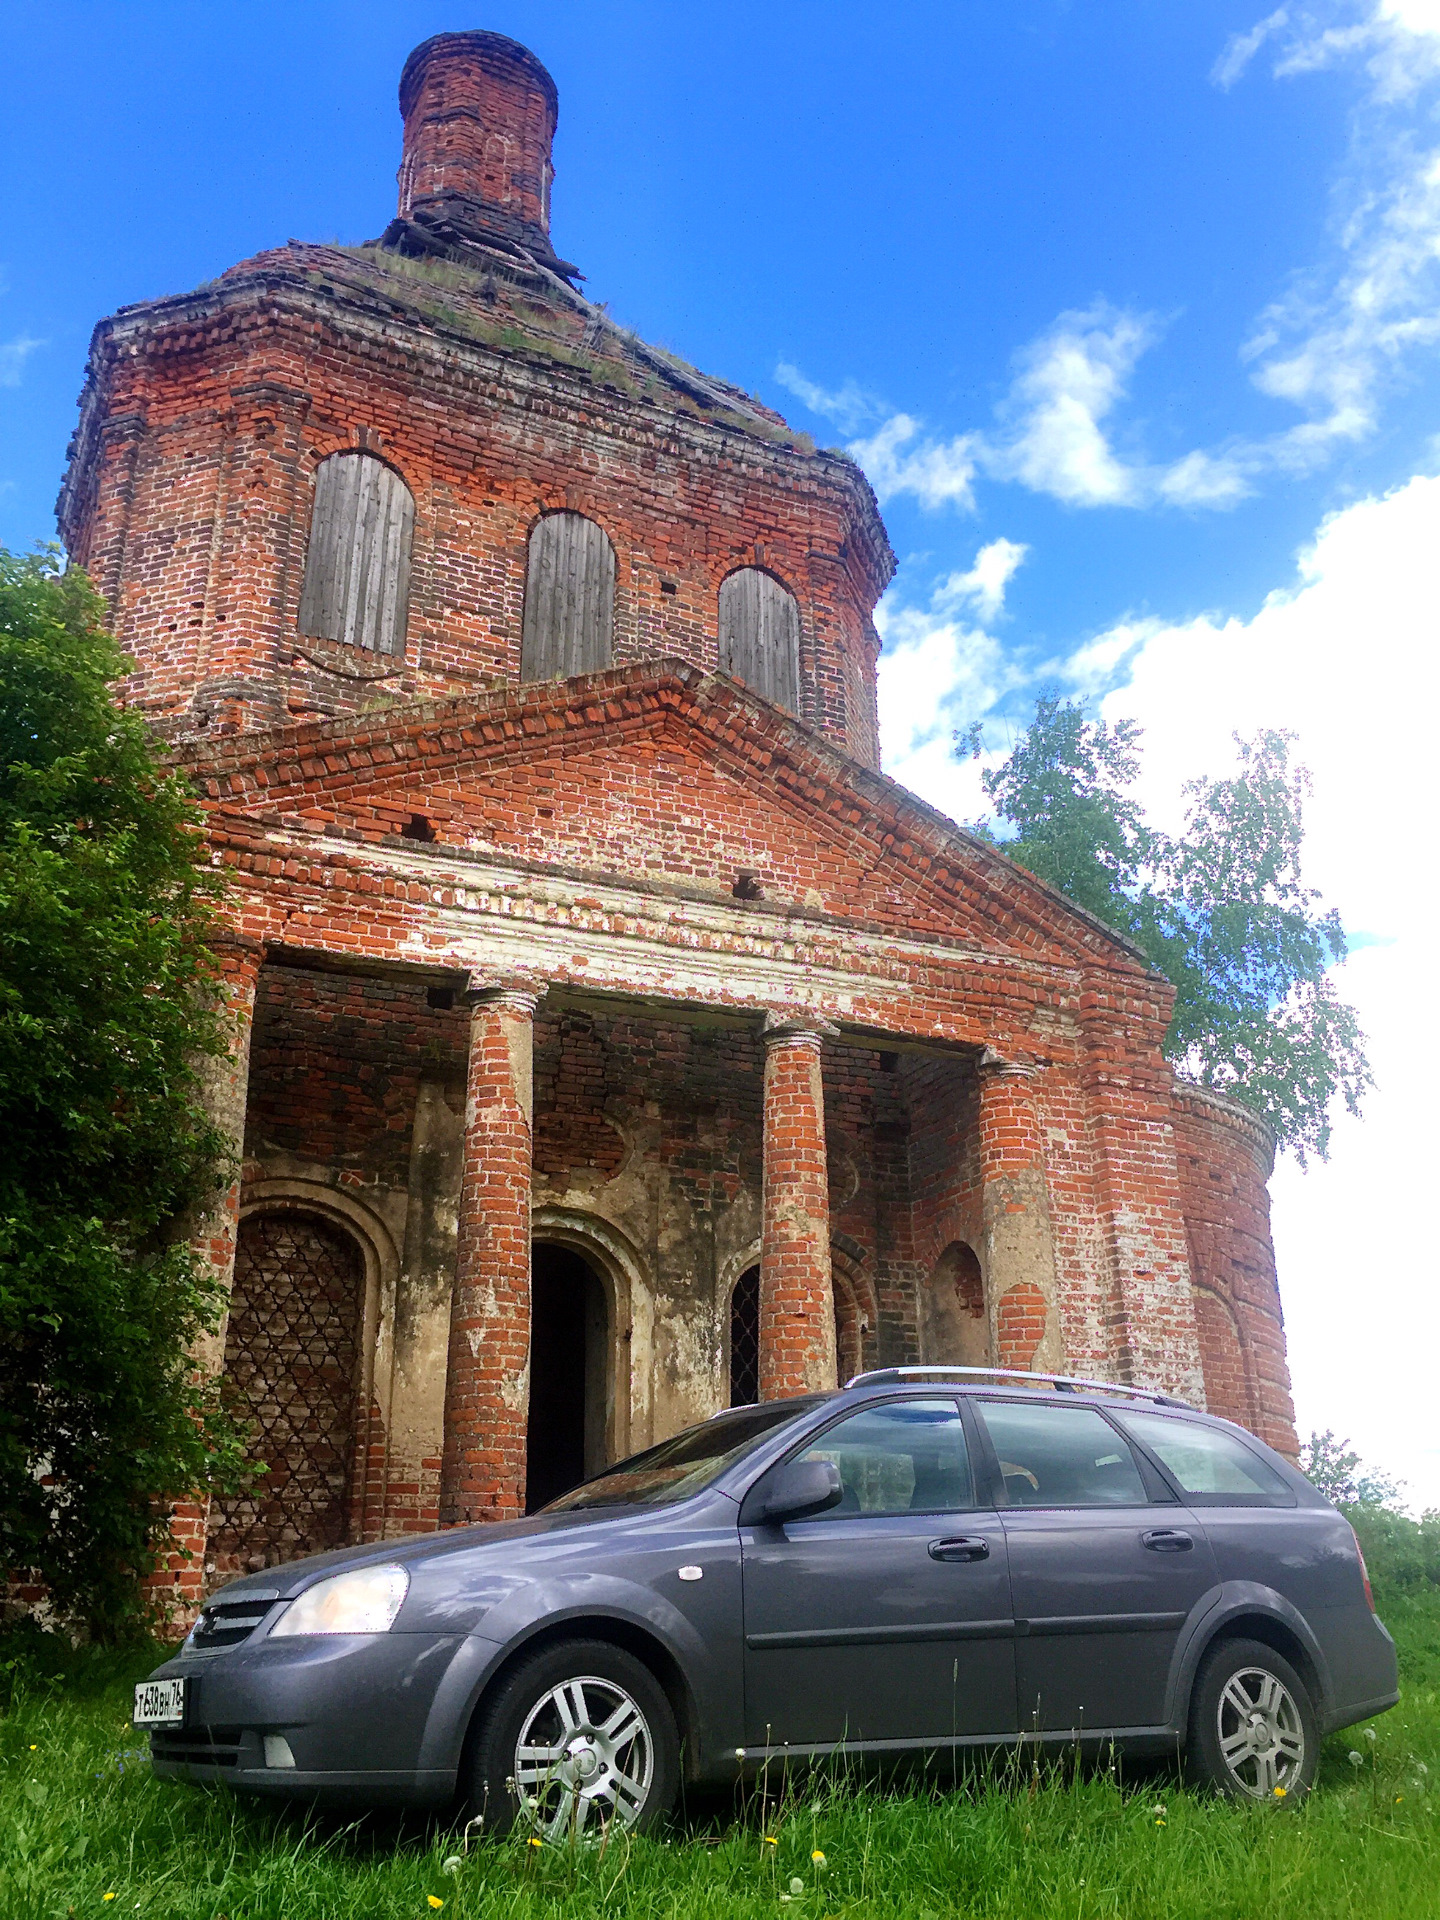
394 327
272 770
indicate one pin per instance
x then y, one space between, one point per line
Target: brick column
177 1585
487 1380
1018 1247
797 1311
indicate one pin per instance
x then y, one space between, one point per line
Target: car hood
495 1537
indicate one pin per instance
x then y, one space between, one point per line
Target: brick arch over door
293 1351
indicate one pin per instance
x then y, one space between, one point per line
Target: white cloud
13 355
1345 656
938 473
983 587
938 674
1052 436
1241 48
850 407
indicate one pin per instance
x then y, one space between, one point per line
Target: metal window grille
745 1339
291 1359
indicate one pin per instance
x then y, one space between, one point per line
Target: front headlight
363 1601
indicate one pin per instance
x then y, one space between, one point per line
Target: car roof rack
1057 1382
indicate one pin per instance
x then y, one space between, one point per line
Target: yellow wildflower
434 1900
1280 1792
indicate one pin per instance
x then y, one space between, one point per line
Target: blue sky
1130 309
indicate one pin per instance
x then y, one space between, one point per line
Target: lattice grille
290 1364
745 1339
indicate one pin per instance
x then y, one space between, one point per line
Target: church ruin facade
614 1042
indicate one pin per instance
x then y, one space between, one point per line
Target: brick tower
613 1039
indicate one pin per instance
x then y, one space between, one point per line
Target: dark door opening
568 1366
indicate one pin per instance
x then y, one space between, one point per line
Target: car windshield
683 1465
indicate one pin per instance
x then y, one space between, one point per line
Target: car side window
1060 1457
903 1456
1209 1463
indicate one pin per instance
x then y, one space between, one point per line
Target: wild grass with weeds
85 1830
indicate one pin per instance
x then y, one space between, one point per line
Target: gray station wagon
930 1559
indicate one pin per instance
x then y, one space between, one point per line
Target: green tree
1220 908
108 1000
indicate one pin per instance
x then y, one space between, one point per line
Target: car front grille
198 1746
225 1623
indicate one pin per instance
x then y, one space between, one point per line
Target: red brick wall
191 496
1225 1158
479 118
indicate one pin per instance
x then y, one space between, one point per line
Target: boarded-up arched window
569 599
357 569
760 636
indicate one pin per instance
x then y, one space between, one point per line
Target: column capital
515 993
790 1027
996 1066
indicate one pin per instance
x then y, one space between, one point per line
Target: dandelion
452 1865
1159 1810
1421 1768
435 1901
1280 1792
34 1749
533 1842
818 1858
771 1841
797 1886
1370 1735
1356 1759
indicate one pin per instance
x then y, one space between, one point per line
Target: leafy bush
108 1004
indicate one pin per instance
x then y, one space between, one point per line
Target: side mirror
803 1488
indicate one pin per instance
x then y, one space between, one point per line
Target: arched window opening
569 599
569 1366
745 1339
760 636
292 1361
954 1327
357 566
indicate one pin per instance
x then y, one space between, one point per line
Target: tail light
1364 1570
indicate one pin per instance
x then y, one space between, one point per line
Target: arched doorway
569 1364
292 1362
954 1329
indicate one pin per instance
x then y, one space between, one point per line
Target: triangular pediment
664 775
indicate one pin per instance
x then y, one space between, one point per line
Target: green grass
80 1818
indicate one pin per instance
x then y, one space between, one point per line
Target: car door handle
969 1546
1166 1540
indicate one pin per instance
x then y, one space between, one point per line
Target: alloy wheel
585 1758
1261 1733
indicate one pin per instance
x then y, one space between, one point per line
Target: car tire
1254 1734
578 1738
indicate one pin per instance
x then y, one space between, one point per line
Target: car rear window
1208 1463
1060 1457
684 1464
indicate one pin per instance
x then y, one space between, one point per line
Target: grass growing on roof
85 1830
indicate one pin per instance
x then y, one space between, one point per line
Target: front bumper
373 1718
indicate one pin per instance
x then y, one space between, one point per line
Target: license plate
160 1703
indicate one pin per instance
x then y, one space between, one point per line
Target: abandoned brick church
614 1040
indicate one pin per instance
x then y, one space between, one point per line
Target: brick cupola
479 114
